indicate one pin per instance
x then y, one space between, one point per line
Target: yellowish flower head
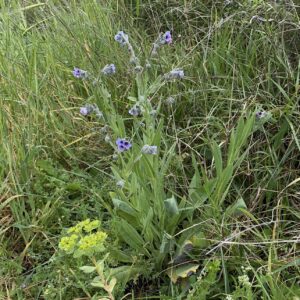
78 227
91 225
93 242
68 243
81 241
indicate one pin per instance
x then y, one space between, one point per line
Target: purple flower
86 110
109 69
123 145
167 37
121 38
78 73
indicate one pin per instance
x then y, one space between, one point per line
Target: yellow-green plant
86 239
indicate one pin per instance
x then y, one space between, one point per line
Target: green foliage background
223 181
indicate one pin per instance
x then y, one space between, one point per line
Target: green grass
223 182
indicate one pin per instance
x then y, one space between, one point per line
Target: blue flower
86 110
109 69
167 37
121 38
78 73
123 145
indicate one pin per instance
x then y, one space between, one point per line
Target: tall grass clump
150 150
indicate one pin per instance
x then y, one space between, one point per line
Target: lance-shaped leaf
171 206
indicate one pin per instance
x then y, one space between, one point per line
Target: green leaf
237 208
124 207
166 244
97 282
87 269
124 274
182 271
217 157
171 206
73 187
111 285
130 235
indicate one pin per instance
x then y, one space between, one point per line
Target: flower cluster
135 110
78 73
85 225
91 108
123 145
93 242
175 74
81 239
244 280
163 39
122 38
68 243
109 69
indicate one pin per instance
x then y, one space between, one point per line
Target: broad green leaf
111 285
182 271
199 240
120 256
166 244
123 206
130 235
97 283
124 274
237 208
